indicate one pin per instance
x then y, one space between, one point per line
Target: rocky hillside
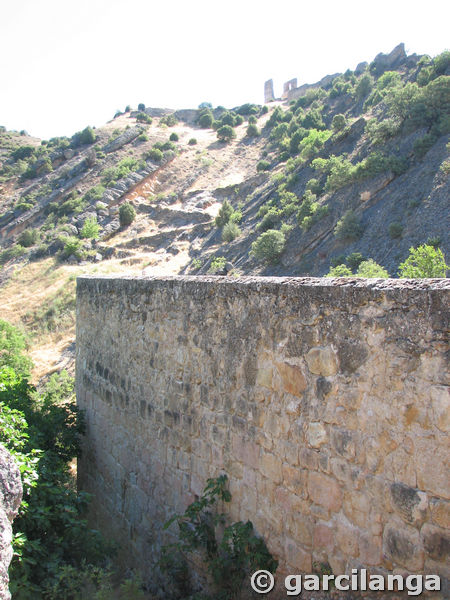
353 167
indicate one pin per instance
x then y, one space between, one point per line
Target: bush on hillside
28 237
230 232
253 130
348 227
269 246
225 133
90 229
127 214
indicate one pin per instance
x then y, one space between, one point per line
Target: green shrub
12 347
217 264
73 247
380 132
313 120
354 260
271 218
12 252
252 120
339 122
73 204
269 246
395 230
248 109
348 227
155 155
370 269
143 117
22 152
339 271
42 431
224 215
263 165
28 237
424 261
127 214
340 171
338 260
90 229
264 109
423 144
174 137
82 138
364 86
192 142
314 186
143 137
231 553
253 130
206 119
169 120
141 106
94 194
226 133
230 232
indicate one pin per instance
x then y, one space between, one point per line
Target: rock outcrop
10 499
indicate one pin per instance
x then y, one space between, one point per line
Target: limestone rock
10 499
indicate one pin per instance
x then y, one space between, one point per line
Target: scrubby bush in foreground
424 261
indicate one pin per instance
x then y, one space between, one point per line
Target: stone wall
325 402
10 499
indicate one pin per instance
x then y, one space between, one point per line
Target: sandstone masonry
325 401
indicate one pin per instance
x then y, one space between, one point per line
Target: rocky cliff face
10 499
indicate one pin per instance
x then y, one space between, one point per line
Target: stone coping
268 283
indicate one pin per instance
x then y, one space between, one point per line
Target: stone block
436 542
323 537
347 538
409 503
297 557
440 512
316 434
292 378
402 545
325 491
270 466
322 361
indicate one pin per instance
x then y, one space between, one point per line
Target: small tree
230 232
252 130
225 133
174 137
225 213
339 271
155 155
370 269
141 106
206 119
424 261
364 85
348 227
90 229
28 237
269 246
339 122
127 214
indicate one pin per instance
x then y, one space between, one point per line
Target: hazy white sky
66 64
